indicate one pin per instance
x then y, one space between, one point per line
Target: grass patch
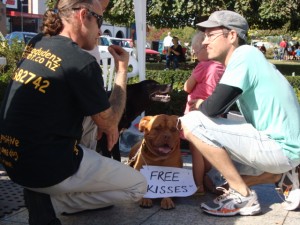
287 67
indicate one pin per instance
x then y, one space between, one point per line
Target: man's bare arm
108 120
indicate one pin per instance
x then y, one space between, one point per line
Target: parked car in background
259 43
159 46
105 41
152 55
19 36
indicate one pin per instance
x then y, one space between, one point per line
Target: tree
260 14
184 34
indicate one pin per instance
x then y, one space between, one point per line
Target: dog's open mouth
161 93
161 97
164 149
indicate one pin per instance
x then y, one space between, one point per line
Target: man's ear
233 36
83 15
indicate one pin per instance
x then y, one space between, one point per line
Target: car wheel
158 59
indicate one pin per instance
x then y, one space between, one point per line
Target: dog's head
152 90
160 134
140 96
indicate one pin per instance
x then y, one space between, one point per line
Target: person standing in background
134 40
283 49
167 42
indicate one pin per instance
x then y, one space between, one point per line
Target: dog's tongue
164 150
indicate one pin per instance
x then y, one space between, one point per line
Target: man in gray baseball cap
265 148
227 19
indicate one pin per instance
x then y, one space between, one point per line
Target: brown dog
160 147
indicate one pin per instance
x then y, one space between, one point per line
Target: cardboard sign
168 182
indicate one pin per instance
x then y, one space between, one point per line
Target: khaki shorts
253 151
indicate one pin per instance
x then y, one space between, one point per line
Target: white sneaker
232 203
288 186
166 69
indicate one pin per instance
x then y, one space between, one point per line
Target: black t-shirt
178 49
55 85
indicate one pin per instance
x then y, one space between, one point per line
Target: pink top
207 74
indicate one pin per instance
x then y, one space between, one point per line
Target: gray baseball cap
227 19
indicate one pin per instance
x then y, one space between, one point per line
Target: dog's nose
167 136
170 87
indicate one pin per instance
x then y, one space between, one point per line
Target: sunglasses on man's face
98 17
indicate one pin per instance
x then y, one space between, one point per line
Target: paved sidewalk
187 212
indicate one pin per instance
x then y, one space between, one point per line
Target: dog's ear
143 123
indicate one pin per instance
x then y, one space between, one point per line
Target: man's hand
112 136
121 57
195 104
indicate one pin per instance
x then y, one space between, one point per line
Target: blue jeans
173 58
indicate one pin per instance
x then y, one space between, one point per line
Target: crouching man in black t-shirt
54 87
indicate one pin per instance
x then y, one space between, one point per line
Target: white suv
105 41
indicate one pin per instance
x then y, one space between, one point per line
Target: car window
27 37
104 41
126 44
116 42
15 36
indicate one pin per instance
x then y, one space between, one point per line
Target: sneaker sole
293 200
249 211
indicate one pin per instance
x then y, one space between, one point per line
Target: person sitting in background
175 54
263 49
276 53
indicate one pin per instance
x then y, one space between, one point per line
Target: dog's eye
157 128
173 129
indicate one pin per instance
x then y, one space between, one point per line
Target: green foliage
297 91
50 3
264 14
295 82
281 15
184 34
13 54
154 71
178 97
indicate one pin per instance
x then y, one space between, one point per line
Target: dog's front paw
146 203
167 203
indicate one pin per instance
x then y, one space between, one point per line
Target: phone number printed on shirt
26 77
